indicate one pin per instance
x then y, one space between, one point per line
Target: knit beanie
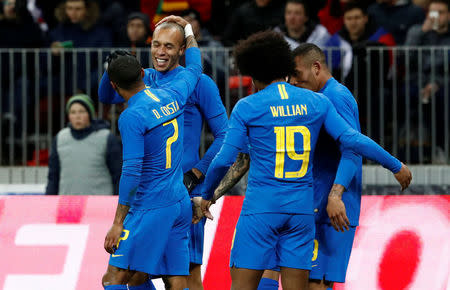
85 101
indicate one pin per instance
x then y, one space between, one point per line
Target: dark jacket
396 19
249 18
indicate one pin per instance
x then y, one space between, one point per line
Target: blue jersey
152 136
282 123
203 104
328 155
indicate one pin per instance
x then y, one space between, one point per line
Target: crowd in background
347 28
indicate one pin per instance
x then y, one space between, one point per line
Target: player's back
193 118
283 123
156 115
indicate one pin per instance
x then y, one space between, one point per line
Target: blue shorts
267 240
196 242
331 253
156 241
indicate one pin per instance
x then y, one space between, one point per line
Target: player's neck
130 93
325 77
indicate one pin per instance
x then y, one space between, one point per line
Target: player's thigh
145 245
296 242
196 240
254 242
331 253
194 280
245 279
175 261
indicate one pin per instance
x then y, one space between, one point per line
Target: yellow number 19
169 142
285 137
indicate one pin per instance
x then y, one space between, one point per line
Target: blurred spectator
78 26
138 36
422 3
430 81
251 17
331 15
17 28
221 12
362 33
85 157
299 28
213 61
396 16
138 32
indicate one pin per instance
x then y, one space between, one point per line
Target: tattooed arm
234 174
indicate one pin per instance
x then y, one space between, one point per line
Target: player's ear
317 66
182 49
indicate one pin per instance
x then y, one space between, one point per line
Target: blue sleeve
132 133
353 140
53 171
214 112
219 167
235 140
106 93
114 160
350 161
187 79
129 181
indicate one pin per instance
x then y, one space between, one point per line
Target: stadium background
56 242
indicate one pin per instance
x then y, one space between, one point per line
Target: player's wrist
188 31
336 191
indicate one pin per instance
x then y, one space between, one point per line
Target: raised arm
186 80
106 93
363 145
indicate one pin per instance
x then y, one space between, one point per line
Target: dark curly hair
265 56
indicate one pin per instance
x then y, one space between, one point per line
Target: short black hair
355 5
302 2
124 69
265 56
310 52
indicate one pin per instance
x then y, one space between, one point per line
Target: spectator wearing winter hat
85 158
138 30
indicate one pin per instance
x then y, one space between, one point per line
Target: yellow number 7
169 142
285 138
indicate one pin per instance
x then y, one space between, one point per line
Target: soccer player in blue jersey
150 232
204 104
334 208
282 124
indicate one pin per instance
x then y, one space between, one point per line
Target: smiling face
79 116
167 48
